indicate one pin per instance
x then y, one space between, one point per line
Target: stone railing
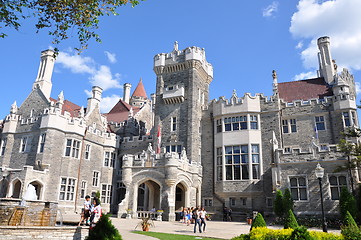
150 214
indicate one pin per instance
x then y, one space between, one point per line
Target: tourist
229 215
85 214
96 212
225 214
185 216
197 220
202 215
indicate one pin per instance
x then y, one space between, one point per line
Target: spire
61 97
139 90
275 82
43 79
14 108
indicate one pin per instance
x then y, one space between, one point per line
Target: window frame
173 124
3 146
319 122
338 186
68 190
299 187
72 148
96 179
42 140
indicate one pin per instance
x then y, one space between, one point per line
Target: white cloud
107 103
270 9
299 45
358 87
305 75
111 57
99 75
337 19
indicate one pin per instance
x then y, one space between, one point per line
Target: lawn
168 236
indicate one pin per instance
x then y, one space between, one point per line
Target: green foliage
347 203
170 236
278 204
300 233
291 221
104 230
287 201
61 17
258 221
349 220
349 228
263 233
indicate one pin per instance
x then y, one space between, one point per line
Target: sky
243 40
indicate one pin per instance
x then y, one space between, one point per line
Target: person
197 220
85 214
96 212
230 214
225 214
185 213
202 215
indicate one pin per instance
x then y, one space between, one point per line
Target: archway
180 192
3 187
38 188
16 189
120 193
148 196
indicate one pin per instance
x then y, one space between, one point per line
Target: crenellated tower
182 88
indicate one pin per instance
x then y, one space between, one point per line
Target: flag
159 138
316 131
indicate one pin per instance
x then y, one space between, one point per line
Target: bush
291 221
278 204
300 233
325 236
347 203
349 229
287 201
104 230
258 221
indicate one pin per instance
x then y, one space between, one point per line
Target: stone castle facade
178 148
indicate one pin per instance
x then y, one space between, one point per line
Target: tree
347 203
287 201
258 221
60 16
278 204
349 228
291 221
104 230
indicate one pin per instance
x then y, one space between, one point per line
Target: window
289 126
235 123
87 152
324 147
106 193
320 123
346 119
236 162
42 142
174 124
96 178
106 159
232 201
287 150
219 165
67 189
72 148
82 189
354 118
269 202
336 185
112 159
254 122
174 148
219 125
255 161
25 144
243 201
3 146
298 188
208 202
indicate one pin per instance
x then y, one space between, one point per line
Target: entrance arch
38 189
180 196
148 196
16 189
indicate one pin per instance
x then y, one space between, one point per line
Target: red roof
139 90
304 90
120 112
70 107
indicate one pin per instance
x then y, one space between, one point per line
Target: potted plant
249 220
145 223
159 215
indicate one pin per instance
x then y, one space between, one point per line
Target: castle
178 148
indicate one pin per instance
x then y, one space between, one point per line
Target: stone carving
150 149
175 46
314 146
14 108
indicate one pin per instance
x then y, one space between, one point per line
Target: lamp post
319 171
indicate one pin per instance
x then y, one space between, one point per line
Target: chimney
94 100
126 94
327 69
43 79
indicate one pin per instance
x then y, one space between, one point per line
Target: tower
327 67
126 94
139 96
182 87
43 79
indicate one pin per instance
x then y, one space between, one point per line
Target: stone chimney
95 99
43 79
126 94
327 69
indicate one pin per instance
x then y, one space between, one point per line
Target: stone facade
180 149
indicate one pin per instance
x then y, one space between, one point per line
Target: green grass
168 236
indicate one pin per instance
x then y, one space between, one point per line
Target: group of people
196 216
227 214
91 212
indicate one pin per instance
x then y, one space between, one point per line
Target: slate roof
304 89
68 106
120 112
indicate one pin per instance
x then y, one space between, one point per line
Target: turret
327 67
94 100
43 79
126 93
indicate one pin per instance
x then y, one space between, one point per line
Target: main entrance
148 196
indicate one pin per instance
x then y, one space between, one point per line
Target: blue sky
244 41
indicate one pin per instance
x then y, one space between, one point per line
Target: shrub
258 221
300 233
278 204
349 229
347 203
104 230
325 236
287 201
291 221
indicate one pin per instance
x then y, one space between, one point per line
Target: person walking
197 220
85 211
202 215
96 212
